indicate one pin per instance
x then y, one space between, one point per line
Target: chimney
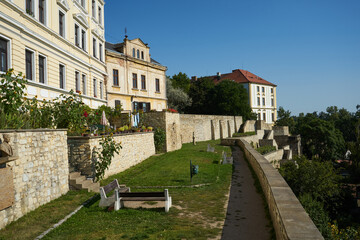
218 75
194 78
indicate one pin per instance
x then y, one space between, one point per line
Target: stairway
79 182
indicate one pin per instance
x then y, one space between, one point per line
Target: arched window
138 53
142 54
133 52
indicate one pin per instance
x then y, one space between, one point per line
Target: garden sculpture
5 148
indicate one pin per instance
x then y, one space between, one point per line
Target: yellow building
135 80
59 45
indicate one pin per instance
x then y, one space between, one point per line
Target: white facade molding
80 18
98 34
64 4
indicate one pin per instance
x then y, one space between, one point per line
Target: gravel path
245 217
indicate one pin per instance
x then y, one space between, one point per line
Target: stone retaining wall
136 147
288 216
40 171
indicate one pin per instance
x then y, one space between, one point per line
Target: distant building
262 94
135 80
58 45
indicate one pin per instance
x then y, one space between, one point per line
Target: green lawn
197 213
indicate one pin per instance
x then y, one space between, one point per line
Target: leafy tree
177 98
284 119
316 211
231 98
320 138
201 92
181 81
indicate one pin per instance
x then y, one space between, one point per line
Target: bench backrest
111 186
142 194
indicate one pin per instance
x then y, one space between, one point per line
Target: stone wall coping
100 136
289 217
202 115
32 130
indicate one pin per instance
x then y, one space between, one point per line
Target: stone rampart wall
207 127
288 216
40 171
136 147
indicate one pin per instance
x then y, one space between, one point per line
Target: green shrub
266 149
243 134
159 140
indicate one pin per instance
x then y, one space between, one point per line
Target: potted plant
150 129
143 128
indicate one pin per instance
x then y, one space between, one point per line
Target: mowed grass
197 213
35 222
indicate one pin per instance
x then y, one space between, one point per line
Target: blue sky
309 48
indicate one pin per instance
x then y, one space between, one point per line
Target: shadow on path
245 217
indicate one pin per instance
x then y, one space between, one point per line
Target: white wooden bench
147 196
107 201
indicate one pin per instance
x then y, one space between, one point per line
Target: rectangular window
29 7
272 102
100 52
135 80
42 11
83 3
263 89
61 24
42 69
84 84
115 77
258 101
264 117
83 40
101 90
62 76
94 47
94 87
77 35
93 7
142 55
258 89
272 90
263 101
143 82
4 55
29 63
157 85
77 81
272 117
117 103
259 116
100 16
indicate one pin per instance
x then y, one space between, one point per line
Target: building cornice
135 96
39 38
135 60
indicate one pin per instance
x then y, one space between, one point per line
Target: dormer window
142 55
138 53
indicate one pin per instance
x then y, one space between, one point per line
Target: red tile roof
241 76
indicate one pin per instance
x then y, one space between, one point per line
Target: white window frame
64 74
101 50
83 46
64 23
46 10
84 83
100 14
101 90
45 68
78 82
94 47
33 8
32 65
78 38
93 9
9 52
95 87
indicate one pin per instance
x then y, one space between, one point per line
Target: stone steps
79 182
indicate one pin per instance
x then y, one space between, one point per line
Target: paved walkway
245 218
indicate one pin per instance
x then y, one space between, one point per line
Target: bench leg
117 205
167 200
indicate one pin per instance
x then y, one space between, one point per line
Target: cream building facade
58 44
135 80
